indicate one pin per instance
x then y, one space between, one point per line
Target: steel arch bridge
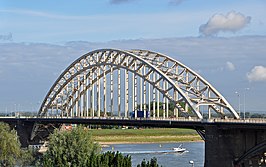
112 82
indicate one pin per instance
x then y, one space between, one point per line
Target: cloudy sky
224 41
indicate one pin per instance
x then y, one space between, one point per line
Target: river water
138 152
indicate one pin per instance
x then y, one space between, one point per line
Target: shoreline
125 142
146 139
143 136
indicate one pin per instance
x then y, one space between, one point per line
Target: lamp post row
244 102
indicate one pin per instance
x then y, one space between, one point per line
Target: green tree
112 159
76 148
26 158
10 152
9 146
69 148
152 163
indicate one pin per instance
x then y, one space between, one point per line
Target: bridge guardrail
190 119
253 120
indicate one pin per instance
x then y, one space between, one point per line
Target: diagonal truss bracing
191 87
78 88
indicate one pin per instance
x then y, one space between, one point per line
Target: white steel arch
80 66
194 90
201 96
72 94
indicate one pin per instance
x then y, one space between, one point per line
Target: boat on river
179 149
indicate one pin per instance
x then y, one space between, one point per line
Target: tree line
75 148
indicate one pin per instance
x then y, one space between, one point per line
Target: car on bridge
140 114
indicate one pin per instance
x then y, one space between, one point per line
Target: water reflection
137 151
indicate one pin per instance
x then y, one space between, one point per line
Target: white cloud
230 66
258 73
231 22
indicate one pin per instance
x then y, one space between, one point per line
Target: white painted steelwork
171 82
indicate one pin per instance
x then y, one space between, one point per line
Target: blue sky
223 40
104 20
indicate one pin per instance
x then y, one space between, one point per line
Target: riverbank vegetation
76 148
154 135
72 148
10 152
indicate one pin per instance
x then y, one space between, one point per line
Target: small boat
179 149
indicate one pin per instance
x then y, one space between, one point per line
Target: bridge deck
150 122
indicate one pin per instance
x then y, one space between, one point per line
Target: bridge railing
250 120
190 119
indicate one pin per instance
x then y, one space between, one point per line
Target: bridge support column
93 97
224 146
153 96
126 94
98 93
119 91
144 93
135 92
24 132
158 100
149 97
112 90
104 93
140 92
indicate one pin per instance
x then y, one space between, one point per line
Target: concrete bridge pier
234 147
23 131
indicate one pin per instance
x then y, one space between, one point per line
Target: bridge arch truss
101 82
113 83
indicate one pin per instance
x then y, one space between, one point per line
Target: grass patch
144 135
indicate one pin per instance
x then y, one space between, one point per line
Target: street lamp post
246 89
238 95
